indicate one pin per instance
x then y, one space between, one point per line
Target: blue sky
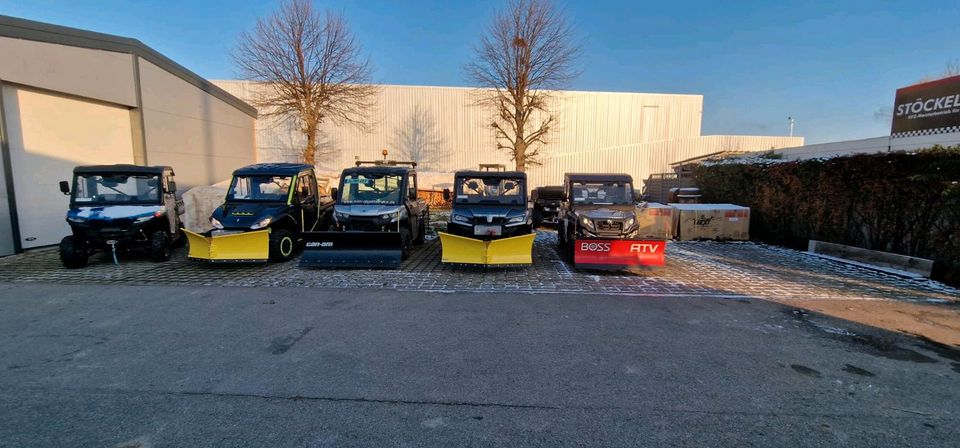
831 65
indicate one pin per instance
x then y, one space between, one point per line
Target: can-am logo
320 244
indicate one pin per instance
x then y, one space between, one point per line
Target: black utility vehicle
598 226
267 209
489 203
377 218
546 205
119 208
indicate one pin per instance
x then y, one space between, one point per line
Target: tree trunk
310 152
520 156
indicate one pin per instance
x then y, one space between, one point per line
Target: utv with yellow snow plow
490 223
376 220
598 226
266 211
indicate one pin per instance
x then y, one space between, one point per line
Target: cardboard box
655 221
711 222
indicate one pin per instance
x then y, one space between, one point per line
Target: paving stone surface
740 269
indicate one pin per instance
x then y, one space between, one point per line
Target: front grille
482 220
115 224
606 225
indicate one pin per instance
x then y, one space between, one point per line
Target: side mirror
334 192
171 186
64 187
446 195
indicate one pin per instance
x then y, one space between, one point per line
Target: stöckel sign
928 108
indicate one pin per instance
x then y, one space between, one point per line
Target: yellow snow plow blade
463 250
230 247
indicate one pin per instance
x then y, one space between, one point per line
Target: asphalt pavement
151 366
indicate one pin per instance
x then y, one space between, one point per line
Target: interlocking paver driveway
693 268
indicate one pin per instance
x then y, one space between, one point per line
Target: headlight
586 222
517 220
261 223
340 216
461 219
216 224
75 219
628 223
155 214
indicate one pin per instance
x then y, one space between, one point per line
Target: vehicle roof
280 169
551 188
120 168
381 169
491 174
599 177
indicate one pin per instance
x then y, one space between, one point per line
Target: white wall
459 133
636 133
867 146
203 138
100 75
48 136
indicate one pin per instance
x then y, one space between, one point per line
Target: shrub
905 203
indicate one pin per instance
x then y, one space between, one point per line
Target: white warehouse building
443 130
71 97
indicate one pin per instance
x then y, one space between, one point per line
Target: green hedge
905 203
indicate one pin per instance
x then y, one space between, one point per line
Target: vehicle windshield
602 193
117 189
550 194
371 188
489 190
262 188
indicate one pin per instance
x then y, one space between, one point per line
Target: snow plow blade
507 251
618 254
382 250
230 247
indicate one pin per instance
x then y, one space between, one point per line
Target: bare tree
527 51
309 69
418 140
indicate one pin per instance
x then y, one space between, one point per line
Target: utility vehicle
546 205
598 226
490 223
120 208
267 209
376 220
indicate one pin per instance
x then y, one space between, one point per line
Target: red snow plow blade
618 254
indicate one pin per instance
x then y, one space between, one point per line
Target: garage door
48 136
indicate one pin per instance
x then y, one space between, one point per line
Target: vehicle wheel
281 245
405 237
421 230
537 219
160 245
73 252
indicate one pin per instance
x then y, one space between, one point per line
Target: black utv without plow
118 208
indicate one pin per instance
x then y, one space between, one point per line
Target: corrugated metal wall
639 133
869 145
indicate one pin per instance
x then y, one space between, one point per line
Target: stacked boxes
711 222
655 221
